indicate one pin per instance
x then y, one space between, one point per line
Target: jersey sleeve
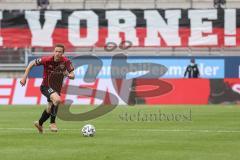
69 66
41 61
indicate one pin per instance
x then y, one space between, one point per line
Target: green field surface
127 133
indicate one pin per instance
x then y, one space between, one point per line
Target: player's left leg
54 110
56 100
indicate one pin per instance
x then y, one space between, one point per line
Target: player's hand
65 73
23 81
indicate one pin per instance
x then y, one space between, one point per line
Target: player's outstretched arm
28 69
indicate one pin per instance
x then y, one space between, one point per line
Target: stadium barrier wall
137 91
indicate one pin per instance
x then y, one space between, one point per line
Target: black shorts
47 91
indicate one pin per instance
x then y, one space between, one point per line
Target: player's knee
57 101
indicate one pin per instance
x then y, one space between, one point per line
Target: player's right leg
45 115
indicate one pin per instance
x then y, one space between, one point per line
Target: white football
88 130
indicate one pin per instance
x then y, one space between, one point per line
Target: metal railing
13 59
150 51
119 3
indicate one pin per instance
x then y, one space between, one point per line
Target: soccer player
56 67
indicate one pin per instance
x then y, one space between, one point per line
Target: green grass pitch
127 133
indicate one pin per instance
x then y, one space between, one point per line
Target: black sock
54 110
44 117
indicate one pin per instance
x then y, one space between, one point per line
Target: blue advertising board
208 67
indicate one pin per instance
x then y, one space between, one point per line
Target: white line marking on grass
177 130
147 130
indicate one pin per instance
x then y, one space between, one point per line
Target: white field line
138 130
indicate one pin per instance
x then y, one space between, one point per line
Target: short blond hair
61 46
